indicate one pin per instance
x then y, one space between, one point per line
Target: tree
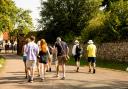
109 25
11 17
67 18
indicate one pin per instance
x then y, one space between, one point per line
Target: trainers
77 70
26 77
63 78
29 78
89 70
50 70
57 76
94 71
38 75
31 81
42 79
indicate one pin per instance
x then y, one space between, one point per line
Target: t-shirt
91 50
61 48
32 50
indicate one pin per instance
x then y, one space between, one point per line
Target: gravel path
12 77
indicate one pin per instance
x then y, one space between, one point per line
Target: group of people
77 52
41 54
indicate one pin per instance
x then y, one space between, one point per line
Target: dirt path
12 77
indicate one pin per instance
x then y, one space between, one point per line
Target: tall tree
67 18
11 16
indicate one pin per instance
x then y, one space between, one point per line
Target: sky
32 5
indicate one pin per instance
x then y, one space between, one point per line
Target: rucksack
78 50
44 48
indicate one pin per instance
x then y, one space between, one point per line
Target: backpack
78 50
44 48
61 48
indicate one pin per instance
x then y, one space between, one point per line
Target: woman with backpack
44 54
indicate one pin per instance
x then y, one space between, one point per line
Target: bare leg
63 70
25 69
94 66
57 70
78 65
38 67
89 66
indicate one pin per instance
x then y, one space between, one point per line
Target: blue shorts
24 58
92 59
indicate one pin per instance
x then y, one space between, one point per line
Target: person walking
32 50
62 55
91 52
49 64
37 63
77 52
44 54
25 55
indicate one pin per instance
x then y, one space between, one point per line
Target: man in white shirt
32 51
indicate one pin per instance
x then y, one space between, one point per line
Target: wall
113 51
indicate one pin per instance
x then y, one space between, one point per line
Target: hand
67 57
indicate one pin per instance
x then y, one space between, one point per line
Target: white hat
76 41
90 42
58 39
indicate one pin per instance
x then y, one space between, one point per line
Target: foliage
110 25
13 18
113 64
67 18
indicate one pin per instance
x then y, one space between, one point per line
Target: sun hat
76 41
58 39
90 42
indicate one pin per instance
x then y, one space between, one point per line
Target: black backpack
78 50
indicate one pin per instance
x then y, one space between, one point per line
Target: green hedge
102 63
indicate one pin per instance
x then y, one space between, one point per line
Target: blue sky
30 5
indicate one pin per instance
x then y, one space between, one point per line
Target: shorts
30 63
77 58
61 60
24 59
92 59
43 59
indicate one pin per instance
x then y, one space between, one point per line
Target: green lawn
102 63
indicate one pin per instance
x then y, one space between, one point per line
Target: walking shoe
50 70
38 75
46 70
57 76
63 78
26 77
77 70
94 71
29 78
89 70
31 81
42 79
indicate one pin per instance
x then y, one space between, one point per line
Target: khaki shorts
30 63
61 60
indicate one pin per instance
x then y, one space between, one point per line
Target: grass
102 63
2 61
